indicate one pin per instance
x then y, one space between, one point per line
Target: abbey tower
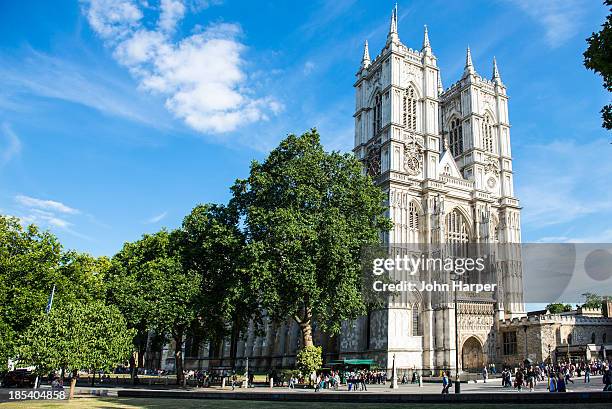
443 156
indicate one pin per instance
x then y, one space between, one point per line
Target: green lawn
128 403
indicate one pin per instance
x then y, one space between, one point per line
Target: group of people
359 379
557 376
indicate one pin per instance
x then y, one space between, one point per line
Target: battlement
556 319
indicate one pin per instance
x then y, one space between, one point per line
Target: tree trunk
73 383
306 329
134 367
178 358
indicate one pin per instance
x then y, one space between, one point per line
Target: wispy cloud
201 76
47 213
157 218
39 74
560 18
10 147
42 204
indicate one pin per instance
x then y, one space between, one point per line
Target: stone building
580 335
444 158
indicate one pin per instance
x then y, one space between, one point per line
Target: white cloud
171 12
157 218
40 204
201 76
560 18
47 213
10 146
75 82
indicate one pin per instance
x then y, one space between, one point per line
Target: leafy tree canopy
31 263
308 215
212 246
598 57
557 308
77 336
154 291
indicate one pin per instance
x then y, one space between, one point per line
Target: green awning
368 362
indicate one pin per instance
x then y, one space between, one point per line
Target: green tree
557 308
309 360
31 263
308 215
598 57
77 336
213 247
150 286
592 300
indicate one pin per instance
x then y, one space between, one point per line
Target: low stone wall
572 398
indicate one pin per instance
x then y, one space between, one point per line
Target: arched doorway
472 357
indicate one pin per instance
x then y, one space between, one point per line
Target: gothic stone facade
444 159
555 338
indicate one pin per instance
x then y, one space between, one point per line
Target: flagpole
50 302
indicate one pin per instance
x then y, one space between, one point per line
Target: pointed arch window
409 117
456 228
456 137
413 216
377 113
487 133
457 234
415 321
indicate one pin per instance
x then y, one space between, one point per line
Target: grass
130 403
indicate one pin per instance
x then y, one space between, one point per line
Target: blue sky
117 117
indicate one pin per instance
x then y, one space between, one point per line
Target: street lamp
457 384
526 346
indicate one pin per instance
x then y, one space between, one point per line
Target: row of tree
287 245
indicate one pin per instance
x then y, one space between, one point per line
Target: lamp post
457 384
394 375
526 346
245 384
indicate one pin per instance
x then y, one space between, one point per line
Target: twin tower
443 157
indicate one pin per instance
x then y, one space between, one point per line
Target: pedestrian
561 386
607 379
446 382
587 374
485 374
531 378
552 383
518 380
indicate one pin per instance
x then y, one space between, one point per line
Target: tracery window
456 137
413 216
487 133
457 235
377 113
410 109
456 228
415 321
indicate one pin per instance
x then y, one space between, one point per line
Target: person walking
518 380
552 383
587 374
446 383
485 374
561 386
607 379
